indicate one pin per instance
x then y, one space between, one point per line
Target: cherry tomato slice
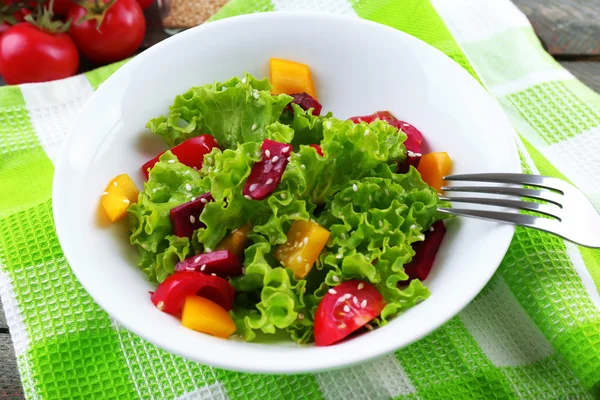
170 295
344 309
191 152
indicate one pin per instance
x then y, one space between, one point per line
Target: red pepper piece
266 173
191 152
185 219
318 149
421 264
170 295
223 263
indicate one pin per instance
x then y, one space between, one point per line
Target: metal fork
571 215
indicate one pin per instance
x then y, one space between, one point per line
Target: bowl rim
254 366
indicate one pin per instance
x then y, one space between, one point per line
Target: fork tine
511 191
529 221
517 179
550 210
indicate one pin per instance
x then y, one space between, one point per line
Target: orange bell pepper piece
290 77
203 315
118 195
236 240
433 167
305 240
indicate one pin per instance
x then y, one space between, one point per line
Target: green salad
265 217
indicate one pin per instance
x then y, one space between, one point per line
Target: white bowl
359 67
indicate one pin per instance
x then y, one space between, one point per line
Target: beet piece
421 264
317 148
266 173
185 219
414 137
306 102
223 263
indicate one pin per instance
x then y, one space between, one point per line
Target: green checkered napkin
533 332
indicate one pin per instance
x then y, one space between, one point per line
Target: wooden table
569 29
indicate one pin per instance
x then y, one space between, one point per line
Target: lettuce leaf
235 111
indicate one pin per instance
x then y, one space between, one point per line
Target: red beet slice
414 137
266 173
185 219
306 102
318 149
421 264
223 263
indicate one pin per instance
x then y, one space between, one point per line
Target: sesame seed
355 300
197 259
160 305
282 195
248 197
189 268
346 308
360 286
431 229
347 296
343 235
299 259
126 201
387 192
422 237
342 326
413 226
193 199
244 80
363 303
347 199
306 266
269 181
275 159
369 327
332 291
289 158
336 278
305 240
171 161
366 132
300 316
380 223
285 150
188 187
192 219
253 127
354 187
203 267
339 256
268 153
253 187
114 184
204 200
213 274
104 193
303 166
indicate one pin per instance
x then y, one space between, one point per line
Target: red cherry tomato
344 309
120 34
145 3
60 7
170 295
29 54
191 152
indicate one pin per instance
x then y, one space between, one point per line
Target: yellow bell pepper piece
290 77
203 315
118 195
305 240
236 240
433 167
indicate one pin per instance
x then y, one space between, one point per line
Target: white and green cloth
533 332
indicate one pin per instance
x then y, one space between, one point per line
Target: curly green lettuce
235 111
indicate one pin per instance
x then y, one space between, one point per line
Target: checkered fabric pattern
533 332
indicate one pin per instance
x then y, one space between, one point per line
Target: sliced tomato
170 295
344 309
191 152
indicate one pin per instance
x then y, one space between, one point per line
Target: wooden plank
586 71
10 380
566 27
